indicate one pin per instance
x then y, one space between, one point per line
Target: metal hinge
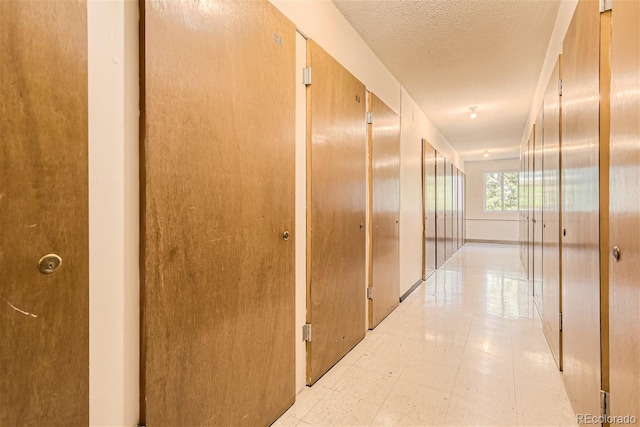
306 76
606 5
369 117
560 322
559 87
306 332
604 404
369 293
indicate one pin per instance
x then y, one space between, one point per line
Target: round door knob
49 263
285 235
361 226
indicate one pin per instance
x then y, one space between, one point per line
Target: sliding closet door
580 209
429 207
337 164
624 291
217 214
384 134
551 257
44 312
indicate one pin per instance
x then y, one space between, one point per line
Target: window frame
484 191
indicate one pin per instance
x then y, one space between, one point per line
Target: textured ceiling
453 54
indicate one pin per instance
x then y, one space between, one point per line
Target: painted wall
481 225
114 307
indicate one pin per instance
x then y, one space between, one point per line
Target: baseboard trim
411 289
499 242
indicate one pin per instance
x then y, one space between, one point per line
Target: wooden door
580 210
460 203
462 209
551 285
217 199
44 318
384 140
448 203
530 205
454 209
440 210
336 150
538 143
429 208
624 274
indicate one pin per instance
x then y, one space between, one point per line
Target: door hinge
369 293
560 87
604 404
606 5
560 322
306 332
306 76
369 117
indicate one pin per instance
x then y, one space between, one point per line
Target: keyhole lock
616 253
49 263
361 226
564 232
285 235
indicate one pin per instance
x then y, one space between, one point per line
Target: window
501 191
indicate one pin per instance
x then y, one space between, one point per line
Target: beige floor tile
427 405
367 385
339 409
464 412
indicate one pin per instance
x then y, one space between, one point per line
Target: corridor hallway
465 348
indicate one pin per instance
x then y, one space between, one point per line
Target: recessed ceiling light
473 114
486 154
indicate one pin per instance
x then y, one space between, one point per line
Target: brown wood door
44 318
580 211
551 285
530 206
538 144
337 164
624 283
217 196
460 204
429 208
385 185
441 255
454 209
448 203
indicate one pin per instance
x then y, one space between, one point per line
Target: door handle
49 263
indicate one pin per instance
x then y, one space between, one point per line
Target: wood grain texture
429 207
218 158
441 255
530 205
448 206
385 159
44 355
337 184
551 274
455 221
580 209
538 144
460 209
624 185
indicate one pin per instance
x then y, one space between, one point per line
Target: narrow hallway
466 348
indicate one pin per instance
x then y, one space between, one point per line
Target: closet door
538 142
337 145
429 207
551 288
580 209
624 283
217 214
441 255
44 307
384 134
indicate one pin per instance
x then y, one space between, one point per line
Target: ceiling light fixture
486 154
473 114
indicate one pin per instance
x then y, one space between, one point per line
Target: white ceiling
453 54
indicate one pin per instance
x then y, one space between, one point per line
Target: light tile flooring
466 348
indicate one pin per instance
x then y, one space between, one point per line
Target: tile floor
466 348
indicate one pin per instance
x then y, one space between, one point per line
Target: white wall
113 213
481 225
